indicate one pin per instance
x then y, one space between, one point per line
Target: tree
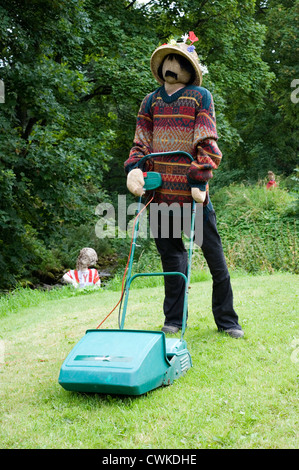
231 42
68 69
275 142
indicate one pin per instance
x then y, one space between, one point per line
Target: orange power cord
126 268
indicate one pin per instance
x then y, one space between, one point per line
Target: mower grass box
125 362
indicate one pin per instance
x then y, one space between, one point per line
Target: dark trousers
175 258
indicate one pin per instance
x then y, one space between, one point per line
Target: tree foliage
75 72
277 136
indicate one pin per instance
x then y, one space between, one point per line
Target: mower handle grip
161 154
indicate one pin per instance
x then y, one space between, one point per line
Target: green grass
238 394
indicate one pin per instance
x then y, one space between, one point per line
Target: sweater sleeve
143 140
208 155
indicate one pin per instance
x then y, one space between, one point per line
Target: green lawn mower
130 362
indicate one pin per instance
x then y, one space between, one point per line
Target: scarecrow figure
84 276
180 116
271 180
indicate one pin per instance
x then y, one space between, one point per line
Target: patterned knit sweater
184 121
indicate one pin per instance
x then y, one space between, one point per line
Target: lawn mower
124 361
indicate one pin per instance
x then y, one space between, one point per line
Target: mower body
123 362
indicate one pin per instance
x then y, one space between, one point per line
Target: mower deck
125 362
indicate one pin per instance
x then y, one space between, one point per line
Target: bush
258 228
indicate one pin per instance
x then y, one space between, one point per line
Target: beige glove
135 182
198 195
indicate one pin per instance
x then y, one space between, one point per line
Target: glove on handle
135 182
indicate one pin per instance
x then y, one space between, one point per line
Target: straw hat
178 48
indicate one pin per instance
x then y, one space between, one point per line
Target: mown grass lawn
238 394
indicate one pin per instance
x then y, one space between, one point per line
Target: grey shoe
171 329
234 333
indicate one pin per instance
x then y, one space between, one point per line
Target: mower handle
161 154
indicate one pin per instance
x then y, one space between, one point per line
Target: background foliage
75 72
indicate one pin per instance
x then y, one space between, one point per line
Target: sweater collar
169 99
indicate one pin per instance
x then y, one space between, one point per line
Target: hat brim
161 52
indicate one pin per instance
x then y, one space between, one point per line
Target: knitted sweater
184 121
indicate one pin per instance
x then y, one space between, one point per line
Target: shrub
258 228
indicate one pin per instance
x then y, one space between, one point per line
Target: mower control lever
152 180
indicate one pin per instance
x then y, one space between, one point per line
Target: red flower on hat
192 37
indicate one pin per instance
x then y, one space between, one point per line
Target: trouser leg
222 296
174 258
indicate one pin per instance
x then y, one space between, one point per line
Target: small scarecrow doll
180 116
271 180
